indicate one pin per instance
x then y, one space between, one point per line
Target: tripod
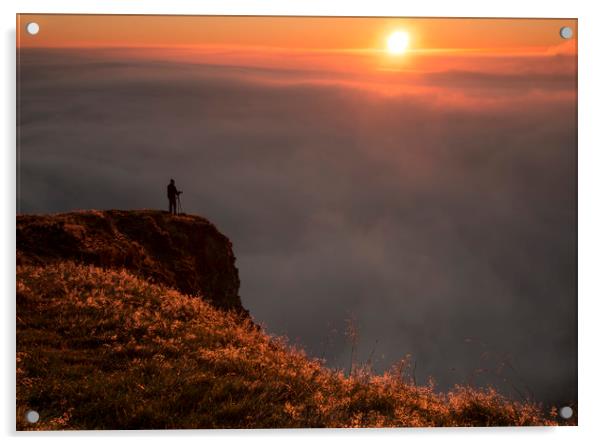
179 208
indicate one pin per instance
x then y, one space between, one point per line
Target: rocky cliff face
185 252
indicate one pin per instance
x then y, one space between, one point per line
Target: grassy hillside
104 349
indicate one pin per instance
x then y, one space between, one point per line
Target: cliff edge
185 252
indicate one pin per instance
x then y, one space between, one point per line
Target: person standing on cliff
172 195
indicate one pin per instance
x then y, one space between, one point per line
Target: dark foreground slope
103 349
185 252
125 320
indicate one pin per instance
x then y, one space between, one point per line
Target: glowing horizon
294 33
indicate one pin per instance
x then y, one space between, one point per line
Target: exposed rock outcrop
185 252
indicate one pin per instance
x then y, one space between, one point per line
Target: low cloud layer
442 217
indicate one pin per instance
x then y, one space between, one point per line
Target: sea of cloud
436 208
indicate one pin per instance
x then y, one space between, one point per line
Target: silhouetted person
172 195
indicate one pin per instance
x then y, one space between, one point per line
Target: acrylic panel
295 222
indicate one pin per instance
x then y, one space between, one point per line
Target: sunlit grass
102 349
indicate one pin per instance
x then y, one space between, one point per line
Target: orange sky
516 35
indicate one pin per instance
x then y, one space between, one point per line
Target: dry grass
102 349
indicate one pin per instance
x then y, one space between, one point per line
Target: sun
398 42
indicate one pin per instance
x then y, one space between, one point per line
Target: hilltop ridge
132 320
184 252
